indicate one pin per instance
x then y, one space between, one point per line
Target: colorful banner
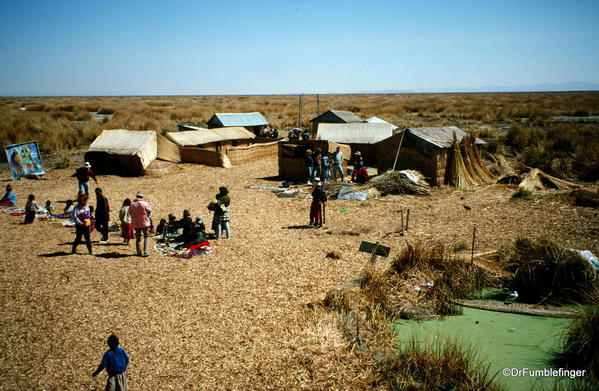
24 159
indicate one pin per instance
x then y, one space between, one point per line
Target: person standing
309 161
338 164
9 198
325 167
102 215
115 360
221 213
30 209
83 174
125 217
82 218
319 197
140 220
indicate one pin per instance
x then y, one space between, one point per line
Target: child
319 197
49 206
115 361
30 209
126 227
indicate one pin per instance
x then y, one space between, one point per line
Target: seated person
161 229
198 234
68 209
360 176
170 229
9 198
49 206
187 224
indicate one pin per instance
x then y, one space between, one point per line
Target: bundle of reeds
536 179
473 162
399 182
546 273
456 174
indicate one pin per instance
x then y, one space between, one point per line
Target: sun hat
317 179
139 195
87 165
358 153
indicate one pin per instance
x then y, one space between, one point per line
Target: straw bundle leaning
536 179
456 174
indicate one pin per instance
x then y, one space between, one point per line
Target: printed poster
24 159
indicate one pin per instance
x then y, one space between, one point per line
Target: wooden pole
301 98
407 219
317 105
473 240
398 148
401 233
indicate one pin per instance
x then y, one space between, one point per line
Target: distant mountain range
568 86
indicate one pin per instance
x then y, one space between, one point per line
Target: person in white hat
140 219
83 174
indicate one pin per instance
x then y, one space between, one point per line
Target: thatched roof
141 144
200 137
354 133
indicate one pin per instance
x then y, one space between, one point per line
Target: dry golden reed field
50 120
248 315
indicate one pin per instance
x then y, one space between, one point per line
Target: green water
501 339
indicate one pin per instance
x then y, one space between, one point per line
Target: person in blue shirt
115 361
9 199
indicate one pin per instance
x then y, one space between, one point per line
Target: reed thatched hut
425 149
334 117
360 136
132 153
254 122
222 147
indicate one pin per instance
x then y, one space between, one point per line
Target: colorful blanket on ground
169 249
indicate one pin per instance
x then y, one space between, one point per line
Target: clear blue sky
114 47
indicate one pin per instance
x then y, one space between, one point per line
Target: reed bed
545 273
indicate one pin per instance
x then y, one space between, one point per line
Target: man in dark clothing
102 215
187 224
319 197
83 174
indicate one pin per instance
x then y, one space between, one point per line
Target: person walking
337 164
102 215
83 174
319 197
82 218
115 360
140 220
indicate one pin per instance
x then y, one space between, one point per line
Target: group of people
319 164
298 134
271 133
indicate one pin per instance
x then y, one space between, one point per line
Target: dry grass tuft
544 273
580 346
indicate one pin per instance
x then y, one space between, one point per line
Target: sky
226 47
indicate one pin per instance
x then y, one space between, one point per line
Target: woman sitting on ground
9 198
